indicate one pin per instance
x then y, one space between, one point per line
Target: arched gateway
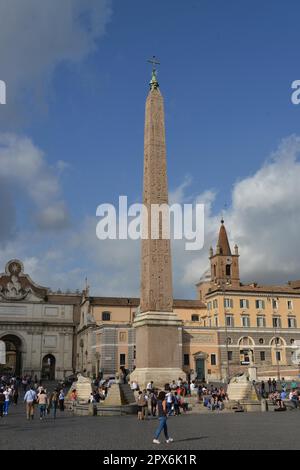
48 367
13 345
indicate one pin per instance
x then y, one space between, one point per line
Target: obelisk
158 329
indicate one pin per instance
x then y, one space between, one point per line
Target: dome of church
206 276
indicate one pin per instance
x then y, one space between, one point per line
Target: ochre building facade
230 327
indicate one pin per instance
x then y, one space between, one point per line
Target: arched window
228 270
277 341
105 316
246 341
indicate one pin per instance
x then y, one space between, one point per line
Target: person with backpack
141 402
162 417
53 402
42 400
30 400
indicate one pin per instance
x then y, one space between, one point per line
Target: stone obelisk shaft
156 264
158 330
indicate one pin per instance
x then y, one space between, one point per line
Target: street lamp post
226 336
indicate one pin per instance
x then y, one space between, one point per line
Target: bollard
264 405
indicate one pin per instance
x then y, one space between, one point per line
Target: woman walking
42 400
53 404
162 417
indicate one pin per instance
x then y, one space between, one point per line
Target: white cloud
263 219
36 36
24 171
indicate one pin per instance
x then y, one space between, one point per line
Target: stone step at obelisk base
241 391
83 387
118 395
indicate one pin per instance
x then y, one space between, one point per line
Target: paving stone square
211 431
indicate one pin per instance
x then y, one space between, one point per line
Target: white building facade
37 326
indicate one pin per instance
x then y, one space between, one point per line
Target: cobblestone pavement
209 431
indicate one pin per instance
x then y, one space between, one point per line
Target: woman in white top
7 394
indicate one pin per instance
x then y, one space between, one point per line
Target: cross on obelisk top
154 62
154 83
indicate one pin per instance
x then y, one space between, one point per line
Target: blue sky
226 72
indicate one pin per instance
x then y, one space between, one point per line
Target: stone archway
48 367
13 345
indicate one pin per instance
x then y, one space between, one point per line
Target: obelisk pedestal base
158 349
160 376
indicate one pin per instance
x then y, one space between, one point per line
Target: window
122 336
277 342
229 355
228 303
262 355
213 359
292 322
215 303
244 303
228 270
246 341
275 304
261 321
186 359
209 322
229 320
122 359
276 322
195 317
245 321
208 305
105 316
290 304
260 304
278 356
216 321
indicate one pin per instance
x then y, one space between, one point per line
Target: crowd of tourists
177 393
279 393
34 396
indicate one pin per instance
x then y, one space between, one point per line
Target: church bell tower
224 264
